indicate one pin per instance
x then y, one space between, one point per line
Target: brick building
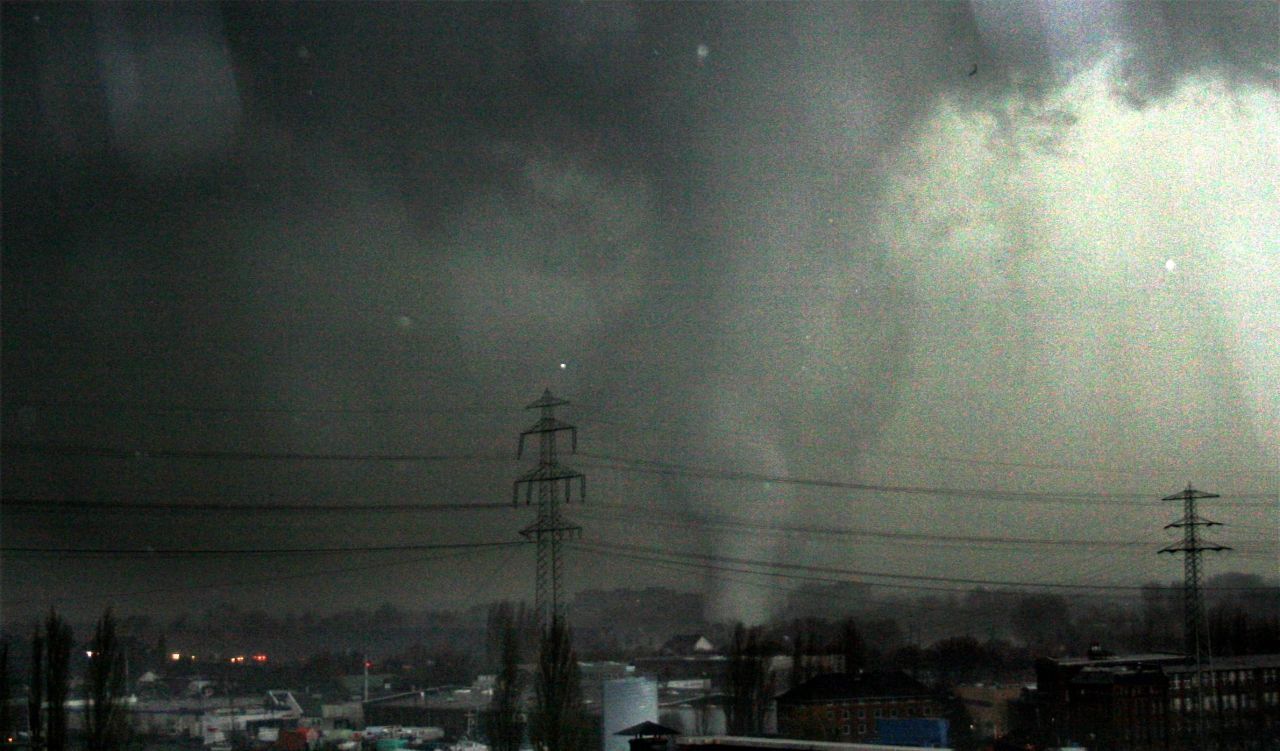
1146 702
846 706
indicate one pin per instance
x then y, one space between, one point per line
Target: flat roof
790 744
1148 657
1231 663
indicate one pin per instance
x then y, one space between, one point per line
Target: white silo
627 702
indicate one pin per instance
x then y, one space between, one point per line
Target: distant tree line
1242 610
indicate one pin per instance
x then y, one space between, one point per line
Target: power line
51 505
43 505
651 466
196 552
38 505
65 449
661 426
718 573
165 409
617 463
814 569
811 529
268 580
647 425
671 562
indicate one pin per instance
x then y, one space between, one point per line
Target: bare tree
506 729
558 722
35 693
852 646
106 715
57 635
798 673
750 685
6 716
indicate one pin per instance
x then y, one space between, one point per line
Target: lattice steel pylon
1195 634
551 526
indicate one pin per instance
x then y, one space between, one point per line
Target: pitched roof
647 729
864 685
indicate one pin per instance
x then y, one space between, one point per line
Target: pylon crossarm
1197 521
515 492
548 425
549 526
1189 493
546 400
1184 547
549 473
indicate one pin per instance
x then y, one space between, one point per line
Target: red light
259 658
368 663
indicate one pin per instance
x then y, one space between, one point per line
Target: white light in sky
703 51
1171 265
564 365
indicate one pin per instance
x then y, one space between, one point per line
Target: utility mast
550 527
1194 632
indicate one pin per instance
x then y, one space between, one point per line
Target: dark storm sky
802 241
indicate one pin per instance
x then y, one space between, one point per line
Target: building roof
1123 674
863 685
1151 658
647 729
1242 662
781 744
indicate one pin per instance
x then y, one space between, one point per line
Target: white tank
627 702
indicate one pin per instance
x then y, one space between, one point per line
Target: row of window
1229 701
910 710
844 713
1245 677
1138 690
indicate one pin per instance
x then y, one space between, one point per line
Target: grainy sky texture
936 265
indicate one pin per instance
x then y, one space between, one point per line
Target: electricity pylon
1195 634
550 526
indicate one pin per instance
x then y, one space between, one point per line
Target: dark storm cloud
428 207
1236 40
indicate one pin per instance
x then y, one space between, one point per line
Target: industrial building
1147 701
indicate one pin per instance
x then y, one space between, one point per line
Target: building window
862 728
879 712
844 714
844 729
862 713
